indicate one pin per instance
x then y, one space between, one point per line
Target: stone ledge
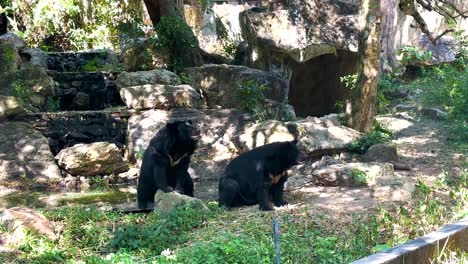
424 249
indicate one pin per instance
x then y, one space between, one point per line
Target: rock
128 176
14 39
98 158
35 57
161 96
434 113
141 55
10 106
8 58
215 148
352 174
17 219
159 76
165 202
431 112
25 153
220 83
302 175
382 153
262 133
228 16
317 136
443 51
81 101
37 80
278 31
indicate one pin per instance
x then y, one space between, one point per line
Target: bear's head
291 153
184 131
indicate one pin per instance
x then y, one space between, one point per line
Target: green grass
190 234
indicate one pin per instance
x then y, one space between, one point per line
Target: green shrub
376 136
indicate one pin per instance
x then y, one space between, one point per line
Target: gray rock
10 106
352 174
159 76
220 83
25 152
17 219
100 158
81 100
165 202
276 30
13 38
431 112
316 136
302 175
215 148
382 153
35 57
160 96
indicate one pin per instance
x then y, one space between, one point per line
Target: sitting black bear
166 162
257 176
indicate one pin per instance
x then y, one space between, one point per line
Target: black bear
258 175
166 162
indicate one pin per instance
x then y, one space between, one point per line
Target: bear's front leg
160 178
263 197
183 179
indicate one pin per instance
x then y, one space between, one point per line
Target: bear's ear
189 121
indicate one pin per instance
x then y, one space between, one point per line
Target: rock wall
66 129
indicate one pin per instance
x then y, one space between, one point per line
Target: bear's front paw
281 203
266 208
167 189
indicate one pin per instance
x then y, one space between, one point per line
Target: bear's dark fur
258 176
166 162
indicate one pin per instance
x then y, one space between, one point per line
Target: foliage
350 82
57 25
251 98
411 55
22 91
175 38
376 136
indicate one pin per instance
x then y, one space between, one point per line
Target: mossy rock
8 57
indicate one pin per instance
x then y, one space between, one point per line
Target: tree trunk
389 8
181 56
361 107
158 8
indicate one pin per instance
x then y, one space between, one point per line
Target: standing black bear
166 162
257 176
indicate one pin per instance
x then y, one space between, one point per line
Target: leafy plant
349 80
377 135
175 37
410 55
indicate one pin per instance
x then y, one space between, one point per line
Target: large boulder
10 106
165 202
220 84
159 76
14 39
98 158
314 29
317 136
18 219
161 96
25 154
215 148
